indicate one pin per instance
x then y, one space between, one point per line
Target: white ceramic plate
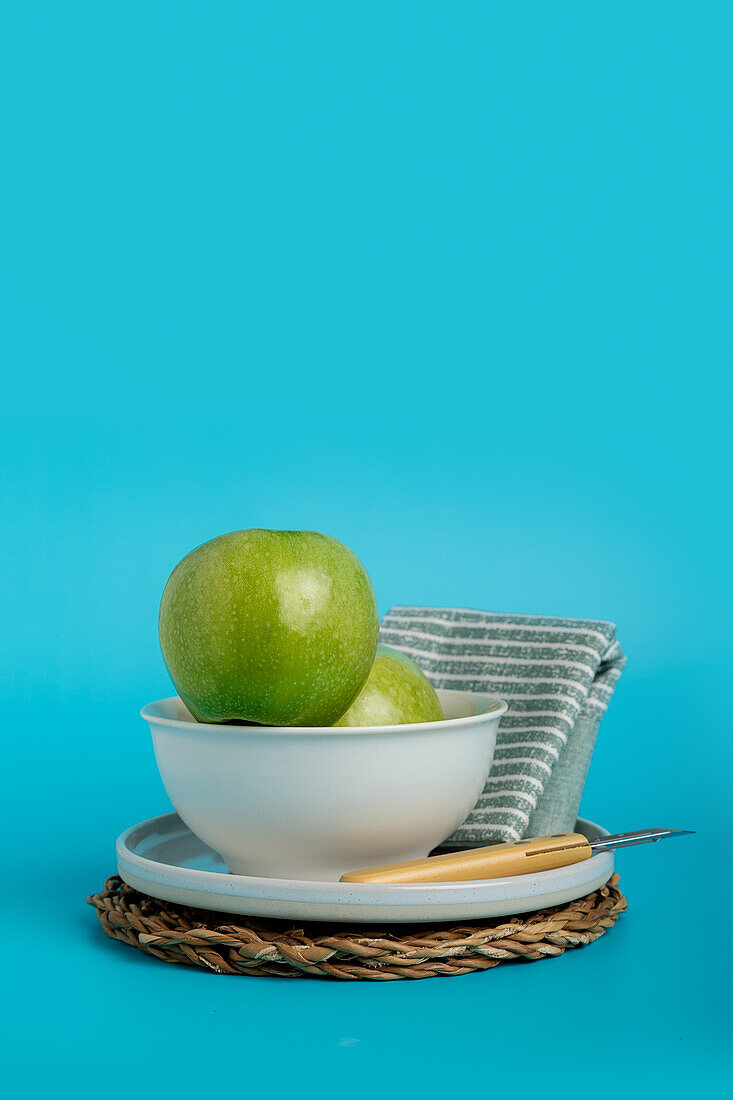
162 857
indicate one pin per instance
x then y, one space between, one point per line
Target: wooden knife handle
519 857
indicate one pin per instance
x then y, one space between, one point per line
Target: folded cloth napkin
557 675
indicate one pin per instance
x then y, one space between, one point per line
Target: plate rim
212 884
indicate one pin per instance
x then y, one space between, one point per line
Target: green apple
396 692
274 627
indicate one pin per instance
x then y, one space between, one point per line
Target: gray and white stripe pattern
555 674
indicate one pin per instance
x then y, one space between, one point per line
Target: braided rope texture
194 937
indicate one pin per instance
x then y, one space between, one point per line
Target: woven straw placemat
212 941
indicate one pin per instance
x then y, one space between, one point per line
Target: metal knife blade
641 836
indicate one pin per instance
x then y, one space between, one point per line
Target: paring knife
519 857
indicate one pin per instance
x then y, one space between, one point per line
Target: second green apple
396 692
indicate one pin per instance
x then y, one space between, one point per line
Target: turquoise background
450 281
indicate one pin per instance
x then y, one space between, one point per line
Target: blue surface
452 283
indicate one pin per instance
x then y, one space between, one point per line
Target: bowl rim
493 707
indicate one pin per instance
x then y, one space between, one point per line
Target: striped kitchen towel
557 675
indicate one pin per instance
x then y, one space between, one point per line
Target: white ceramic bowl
308 803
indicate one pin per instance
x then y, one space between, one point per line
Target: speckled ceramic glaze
274 627
163 858
315 802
